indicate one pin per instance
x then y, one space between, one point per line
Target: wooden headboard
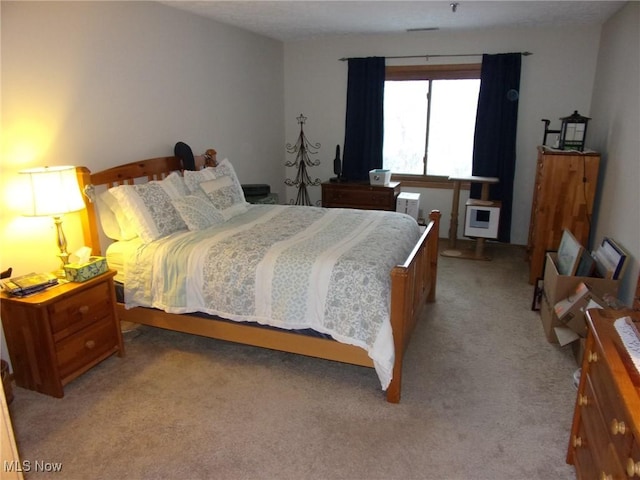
135 172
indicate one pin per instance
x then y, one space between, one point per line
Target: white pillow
225 196
193 179
197 212
113 220
149 208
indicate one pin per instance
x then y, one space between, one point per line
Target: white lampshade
53 191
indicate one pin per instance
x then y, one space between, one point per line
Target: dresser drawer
582 453
357 197
613 411
76 312
595 428
80 349
360 195
632 464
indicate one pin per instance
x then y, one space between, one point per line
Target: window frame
430 72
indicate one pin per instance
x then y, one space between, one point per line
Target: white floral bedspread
285 266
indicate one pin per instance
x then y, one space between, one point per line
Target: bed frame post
88 215
434 216
412 285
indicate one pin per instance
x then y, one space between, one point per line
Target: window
429 119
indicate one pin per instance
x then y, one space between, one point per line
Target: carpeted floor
485 396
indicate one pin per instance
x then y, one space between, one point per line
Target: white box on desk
379 176
408 203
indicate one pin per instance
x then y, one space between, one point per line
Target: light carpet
485 396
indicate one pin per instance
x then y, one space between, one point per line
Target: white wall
615 130
104 83
556 80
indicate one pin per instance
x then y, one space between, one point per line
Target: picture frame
538 290
569 254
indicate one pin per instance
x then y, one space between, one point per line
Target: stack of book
28 284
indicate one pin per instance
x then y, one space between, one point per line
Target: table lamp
54 191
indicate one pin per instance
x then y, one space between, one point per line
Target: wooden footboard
412 285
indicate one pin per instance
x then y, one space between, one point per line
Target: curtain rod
427 57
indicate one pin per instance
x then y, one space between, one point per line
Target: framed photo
537 295
569 253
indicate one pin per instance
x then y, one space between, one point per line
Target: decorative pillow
149 207
197 212
194 179
225 196
174 184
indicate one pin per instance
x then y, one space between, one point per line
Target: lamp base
60 274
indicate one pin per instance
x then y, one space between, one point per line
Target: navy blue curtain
364 119
494 149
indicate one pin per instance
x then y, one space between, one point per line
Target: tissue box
81 272
379 176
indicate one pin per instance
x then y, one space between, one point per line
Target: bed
334 246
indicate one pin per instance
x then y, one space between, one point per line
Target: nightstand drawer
78 311
79 350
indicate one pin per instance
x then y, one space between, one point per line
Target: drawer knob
90 344
592 357
583 400
605 476
633 468
618 427
577 441
84 309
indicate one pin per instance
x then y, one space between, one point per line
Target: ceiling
288 20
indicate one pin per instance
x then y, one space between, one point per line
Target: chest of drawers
58 334
360 195
605 433
563 196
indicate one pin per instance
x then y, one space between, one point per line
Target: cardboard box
571 310
81 272
554 329
549 321
408 203
379 176
558 287
578 348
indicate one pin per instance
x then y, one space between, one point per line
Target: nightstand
56 335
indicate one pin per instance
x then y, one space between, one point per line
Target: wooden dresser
360 195
605 434
56 335
564 190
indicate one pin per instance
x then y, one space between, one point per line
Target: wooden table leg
484 195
